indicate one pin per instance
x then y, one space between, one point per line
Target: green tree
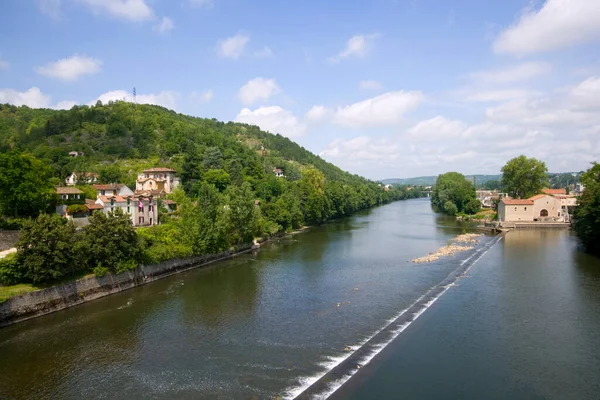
217 177
524 177
242 214
25 185
586 216
453 194
110 174
109 242
44 250
212 158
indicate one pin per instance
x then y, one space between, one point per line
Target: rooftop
517 202
68 190
554 191
537 197
159 169
111 186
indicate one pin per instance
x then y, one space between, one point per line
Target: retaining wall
45 301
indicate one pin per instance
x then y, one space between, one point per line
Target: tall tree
25 185
44 250
453 194
586 217
212 158
524 177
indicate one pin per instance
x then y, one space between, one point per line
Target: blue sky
382 88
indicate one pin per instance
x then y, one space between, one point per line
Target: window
128 210
103 192
525 208
515 208
140 220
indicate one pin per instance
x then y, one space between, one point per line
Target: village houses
156 181
87 178
552 205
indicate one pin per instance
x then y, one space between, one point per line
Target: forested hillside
129 136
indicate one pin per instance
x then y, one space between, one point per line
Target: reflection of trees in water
220 294
40 356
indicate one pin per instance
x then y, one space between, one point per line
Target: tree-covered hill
133 136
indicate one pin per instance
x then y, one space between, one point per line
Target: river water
338 310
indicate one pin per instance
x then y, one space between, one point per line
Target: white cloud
499 95
274 119
165 25
385 109
205 96
33 98
558 24
233 47
437 128
266 52
51 8
517 73
131 10
317 113
586 95
370 85
258 89
64 105
357 46
165 98
70 69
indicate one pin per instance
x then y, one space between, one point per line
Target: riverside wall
59 297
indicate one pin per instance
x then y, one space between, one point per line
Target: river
515 317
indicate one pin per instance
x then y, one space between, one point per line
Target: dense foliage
524 177
586 218
454 194
229 193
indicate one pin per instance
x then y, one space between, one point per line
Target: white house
87 178
278 173
156 180
141 210
113 189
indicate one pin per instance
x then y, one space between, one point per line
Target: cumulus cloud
274 119
131 10
516 73
164 98
560 127
165 25
370 85
33 98
558 24
385 109
437 128
70 69
317 113
258 89
357 46
499 95
233 47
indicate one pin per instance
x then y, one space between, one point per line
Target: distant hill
556 180
430 180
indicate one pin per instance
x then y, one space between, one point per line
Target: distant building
66 197
488 197
141 210
157 181
541 207
87 178
113 189
278 173
553 192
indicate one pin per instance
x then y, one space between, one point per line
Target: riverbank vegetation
453 194
229 193
586 218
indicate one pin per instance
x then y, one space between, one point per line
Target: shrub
10 274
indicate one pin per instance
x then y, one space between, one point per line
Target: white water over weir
340 369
